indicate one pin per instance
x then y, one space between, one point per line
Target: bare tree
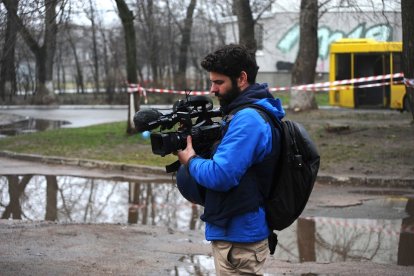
80 87
146 12
109 83
184 46
303 71
246 24
407 9
95 55
8 71
211 12
248 13
127 18
43 48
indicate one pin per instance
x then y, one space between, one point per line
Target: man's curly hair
231 60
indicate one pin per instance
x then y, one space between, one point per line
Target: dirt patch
362 142
42 248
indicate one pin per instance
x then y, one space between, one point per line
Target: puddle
29 125
86 200
194 265
379 230
367 236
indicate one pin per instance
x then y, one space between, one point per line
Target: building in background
277 33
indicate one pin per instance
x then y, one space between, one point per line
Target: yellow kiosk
359 58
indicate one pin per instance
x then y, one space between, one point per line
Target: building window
344 4
258 35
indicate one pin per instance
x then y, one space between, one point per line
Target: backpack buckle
298 161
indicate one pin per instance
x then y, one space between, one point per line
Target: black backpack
294 175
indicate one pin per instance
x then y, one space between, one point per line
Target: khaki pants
239 258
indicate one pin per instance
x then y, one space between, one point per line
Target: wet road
86 115
78 116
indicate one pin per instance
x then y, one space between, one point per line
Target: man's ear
242 80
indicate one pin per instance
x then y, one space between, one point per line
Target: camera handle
206 103
173 167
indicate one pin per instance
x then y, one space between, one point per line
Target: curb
366 181
322 178
85 163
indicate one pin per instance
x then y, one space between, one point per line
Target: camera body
203 138
194 116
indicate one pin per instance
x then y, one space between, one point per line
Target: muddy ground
362 142
377 144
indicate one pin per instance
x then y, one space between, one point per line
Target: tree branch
28 38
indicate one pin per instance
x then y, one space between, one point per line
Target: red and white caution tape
338 85
133 88
322 86
136 88
409 82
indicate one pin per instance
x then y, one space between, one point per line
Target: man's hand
185 154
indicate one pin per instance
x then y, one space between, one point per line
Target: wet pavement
77 116
28 125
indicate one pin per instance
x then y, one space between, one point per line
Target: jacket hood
257 94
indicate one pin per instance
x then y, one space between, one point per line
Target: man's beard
230 96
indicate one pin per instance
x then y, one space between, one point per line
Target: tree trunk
45 93
153 42
16 189
303 71
44 54
94 47
185 44
51 198
8 72
79 73
109 83
407 10
127 18
246 24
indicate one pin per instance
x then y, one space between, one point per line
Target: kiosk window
343 67
396 63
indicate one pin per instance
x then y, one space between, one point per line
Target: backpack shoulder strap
262 111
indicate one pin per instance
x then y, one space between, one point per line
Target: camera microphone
146 119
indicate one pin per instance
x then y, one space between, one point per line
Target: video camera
204 131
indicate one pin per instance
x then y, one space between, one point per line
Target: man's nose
213 88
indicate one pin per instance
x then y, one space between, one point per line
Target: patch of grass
377 143
108 142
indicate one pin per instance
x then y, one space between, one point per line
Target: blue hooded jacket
233 205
